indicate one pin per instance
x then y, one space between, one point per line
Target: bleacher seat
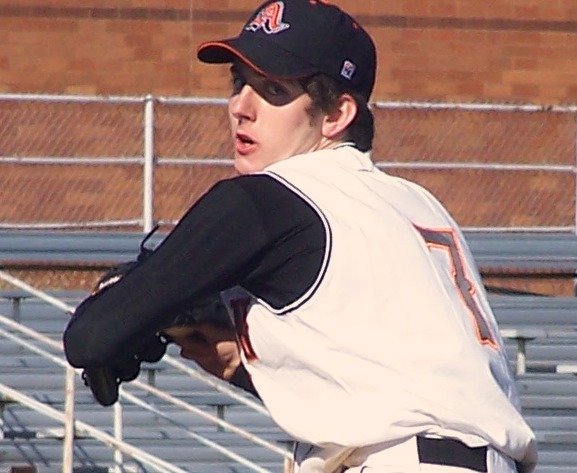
549 398
507 251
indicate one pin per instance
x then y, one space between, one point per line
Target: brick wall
514 51
460 50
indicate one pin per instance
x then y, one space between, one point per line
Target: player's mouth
243 143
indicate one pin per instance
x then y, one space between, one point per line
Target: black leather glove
104 381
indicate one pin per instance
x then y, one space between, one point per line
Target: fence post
69 430
118 435
148 166
575 188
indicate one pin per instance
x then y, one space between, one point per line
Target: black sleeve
222 241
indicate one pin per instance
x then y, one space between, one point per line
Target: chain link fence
127 163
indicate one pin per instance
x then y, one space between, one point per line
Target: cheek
293 134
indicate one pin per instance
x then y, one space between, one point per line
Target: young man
360 319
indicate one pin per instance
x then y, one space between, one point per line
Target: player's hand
104 381
212 347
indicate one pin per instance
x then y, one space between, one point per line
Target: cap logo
348 70
269 19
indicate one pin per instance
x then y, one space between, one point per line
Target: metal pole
118 435
575 190
86 429
68 445
575 175
148 166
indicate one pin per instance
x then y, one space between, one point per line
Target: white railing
72 426
82 427
150 161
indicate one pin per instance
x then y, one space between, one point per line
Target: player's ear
339 119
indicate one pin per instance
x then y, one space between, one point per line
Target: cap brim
263 56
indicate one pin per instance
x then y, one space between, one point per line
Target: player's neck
327 143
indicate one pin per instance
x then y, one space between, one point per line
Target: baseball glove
104 381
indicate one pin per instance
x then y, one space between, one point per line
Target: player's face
269 120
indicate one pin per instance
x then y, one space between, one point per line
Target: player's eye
274 89
280 93
237 82
237 79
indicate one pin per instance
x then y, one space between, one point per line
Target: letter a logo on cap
269 19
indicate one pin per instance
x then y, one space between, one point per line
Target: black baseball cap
293 39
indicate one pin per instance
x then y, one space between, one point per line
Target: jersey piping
328 248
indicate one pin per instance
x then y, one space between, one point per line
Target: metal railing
72 427
174 146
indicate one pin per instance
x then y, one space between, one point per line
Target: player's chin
245 165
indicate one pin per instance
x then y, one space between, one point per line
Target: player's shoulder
256 182
267 194
259 187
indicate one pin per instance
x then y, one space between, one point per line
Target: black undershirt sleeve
239 233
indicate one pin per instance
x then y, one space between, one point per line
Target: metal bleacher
540 334
199 438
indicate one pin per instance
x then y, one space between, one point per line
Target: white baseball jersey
360 312
395 336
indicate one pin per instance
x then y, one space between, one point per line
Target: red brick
141 37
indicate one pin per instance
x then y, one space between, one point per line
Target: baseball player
359 316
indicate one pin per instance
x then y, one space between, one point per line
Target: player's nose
242 105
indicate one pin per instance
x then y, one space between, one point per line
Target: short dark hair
325 93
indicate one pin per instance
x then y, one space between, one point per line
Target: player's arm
229 237
201 256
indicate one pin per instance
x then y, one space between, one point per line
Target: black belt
451 452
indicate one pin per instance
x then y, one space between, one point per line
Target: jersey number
445 240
